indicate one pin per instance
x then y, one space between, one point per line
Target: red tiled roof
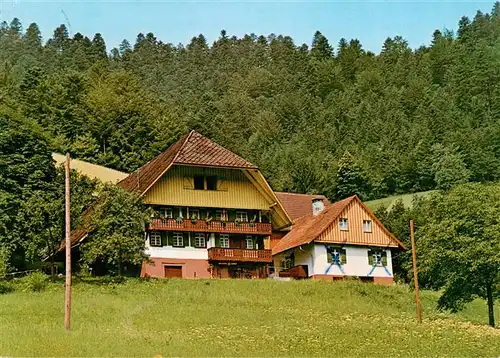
298 205
307 228
190 149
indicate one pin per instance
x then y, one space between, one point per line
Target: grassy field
239 317
389 201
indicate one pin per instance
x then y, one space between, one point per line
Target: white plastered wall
357 263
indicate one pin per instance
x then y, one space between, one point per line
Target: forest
326 118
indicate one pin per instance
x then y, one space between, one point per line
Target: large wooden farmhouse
215 215
214 212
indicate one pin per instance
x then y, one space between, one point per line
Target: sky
175 22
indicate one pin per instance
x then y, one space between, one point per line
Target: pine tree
320 48
350 178
33 37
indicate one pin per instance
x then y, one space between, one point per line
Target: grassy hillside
389 201
239 317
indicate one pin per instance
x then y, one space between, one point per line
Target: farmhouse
336 241
214 212
215 215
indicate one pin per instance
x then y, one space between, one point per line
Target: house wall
315 257
190 268
235 191
355 214
304 256
357 263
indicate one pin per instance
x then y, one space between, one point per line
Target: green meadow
239 318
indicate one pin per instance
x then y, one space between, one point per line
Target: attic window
212 182
205 182
199 182
367 226
343 224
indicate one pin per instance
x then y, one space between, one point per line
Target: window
336 255
166 213
205 182
343 224
367 226
154 238
249 243
242 216
199 182
220 215
289 261
377 258
211 182
194 213
178 240
224 241
199 240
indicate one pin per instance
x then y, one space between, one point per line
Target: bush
34 282
5 287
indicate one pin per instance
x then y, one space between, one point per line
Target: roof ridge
287 193
183 144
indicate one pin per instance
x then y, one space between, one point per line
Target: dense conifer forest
329 118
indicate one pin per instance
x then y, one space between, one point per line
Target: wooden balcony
239 255
229 227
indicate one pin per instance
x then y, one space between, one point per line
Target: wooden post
415 273
67 305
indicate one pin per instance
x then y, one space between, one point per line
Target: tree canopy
459 245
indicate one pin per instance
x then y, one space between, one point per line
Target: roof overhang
280 217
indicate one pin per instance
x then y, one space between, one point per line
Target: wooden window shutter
164 238
188 183
222 184
217 240
170 238
329 256
343 256
370 257
384 257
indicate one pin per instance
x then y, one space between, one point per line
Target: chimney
317 205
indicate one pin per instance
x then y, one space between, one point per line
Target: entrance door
173 271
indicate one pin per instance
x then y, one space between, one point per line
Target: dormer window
367 226
343 224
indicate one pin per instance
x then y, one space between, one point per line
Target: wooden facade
356 213
234 190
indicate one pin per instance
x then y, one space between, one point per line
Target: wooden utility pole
415 273
67 304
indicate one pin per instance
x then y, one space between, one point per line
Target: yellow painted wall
355 215
234 190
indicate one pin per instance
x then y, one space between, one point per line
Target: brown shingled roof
307 228
298 205
191 149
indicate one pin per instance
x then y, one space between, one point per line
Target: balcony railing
239 255
230 227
